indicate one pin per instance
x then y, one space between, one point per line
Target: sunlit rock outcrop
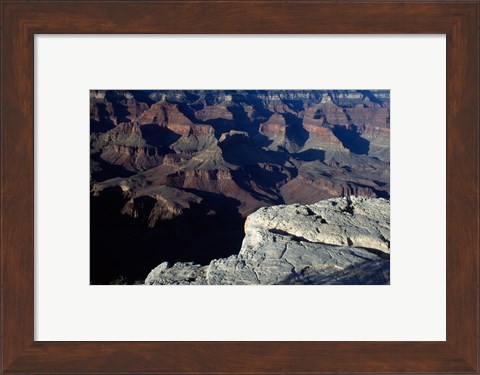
335 241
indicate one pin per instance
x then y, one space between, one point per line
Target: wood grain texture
22 19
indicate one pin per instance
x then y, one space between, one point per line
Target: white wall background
411 308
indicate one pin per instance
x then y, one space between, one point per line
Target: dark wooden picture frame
21 20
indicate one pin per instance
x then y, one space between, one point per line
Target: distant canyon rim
175 173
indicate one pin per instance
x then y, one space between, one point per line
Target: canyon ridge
174 174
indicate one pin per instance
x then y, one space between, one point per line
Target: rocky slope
336 142
335 241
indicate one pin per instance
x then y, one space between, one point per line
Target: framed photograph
240 187
229 187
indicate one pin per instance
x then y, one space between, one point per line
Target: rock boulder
335 241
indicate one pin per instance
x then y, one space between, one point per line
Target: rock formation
174 166
335 241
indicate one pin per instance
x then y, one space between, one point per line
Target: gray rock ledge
335 241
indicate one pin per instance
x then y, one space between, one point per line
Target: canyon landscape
225 187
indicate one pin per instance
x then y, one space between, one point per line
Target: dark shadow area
106 170
368 272
241 121
318 114
261 140
378 193
295 130
104 123
371 97
240 149
351 139
280 157
158 136
143 96
260 112
197 106
191 97
253 178
210 98
296 105
379 183
124 247
188 112
120 110
382 194
220 125
100 127
310 155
